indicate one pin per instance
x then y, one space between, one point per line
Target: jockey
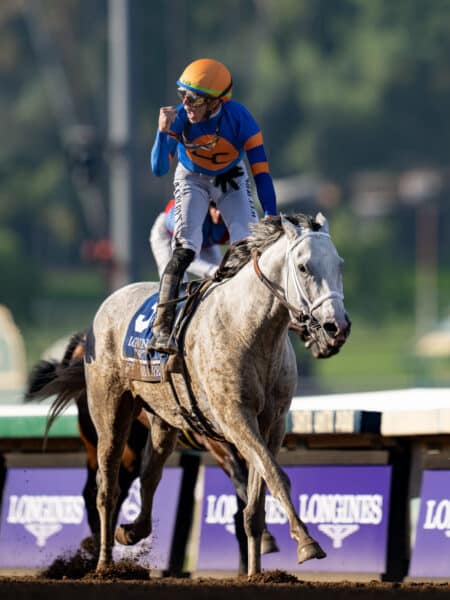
210 133
214 234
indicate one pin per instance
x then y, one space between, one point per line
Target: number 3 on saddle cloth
140 362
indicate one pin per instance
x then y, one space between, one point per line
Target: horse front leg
245 435
307 547
254 520
160 444
235 467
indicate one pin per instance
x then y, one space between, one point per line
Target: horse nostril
331 329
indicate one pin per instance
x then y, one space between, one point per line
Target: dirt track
74 578
213 589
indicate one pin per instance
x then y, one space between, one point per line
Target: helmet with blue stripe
207 77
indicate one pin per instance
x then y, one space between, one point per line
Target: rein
193 288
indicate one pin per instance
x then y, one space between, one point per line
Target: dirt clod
276 576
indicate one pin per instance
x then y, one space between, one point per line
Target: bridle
296 314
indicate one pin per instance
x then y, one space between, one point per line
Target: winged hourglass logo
340 515
44 516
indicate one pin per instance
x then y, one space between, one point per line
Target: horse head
313 285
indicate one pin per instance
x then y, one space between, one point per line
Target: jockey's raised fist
167 115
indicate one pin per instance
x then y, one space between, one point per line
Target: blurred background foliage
352 93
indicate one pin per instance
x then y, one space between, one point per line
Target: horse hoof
128 535
268 543
124 536
308 551
103 568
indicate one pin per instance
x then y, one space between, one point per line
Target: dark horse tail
64 379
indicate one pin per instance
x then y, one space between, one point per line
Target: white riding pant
194 192
204 265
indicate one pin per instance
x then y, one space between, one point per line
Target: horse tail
65 380
75 348
42 374
68 386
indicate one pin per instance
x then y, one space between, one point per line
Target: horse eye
302 269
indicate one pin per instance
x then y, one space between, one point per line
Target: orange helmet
207 77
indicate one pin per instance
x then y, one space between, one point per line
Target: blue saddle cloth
137 338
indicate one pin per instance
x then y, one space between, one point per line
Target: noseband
296 313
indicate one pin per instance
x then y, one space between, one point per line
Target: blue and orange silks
215 146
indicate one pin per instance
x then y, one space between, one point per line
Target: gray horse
240 371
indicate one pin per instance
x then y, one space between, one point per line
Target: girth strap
193 416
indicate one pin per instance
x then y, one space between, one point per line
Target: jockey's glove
229 178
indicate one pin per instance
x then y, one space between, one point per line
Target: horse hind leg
112 423
161 442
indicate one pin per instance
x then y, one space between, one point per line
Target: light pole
421 188
119 136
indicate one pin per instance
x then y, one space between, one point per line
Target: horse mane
264 233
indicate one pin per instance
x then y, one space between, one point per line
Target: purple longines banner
430 557
344 507
43 517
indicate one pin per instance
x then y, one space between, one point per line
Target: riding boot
162 339
162 327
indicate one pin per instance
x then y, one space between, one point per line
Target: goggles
191 98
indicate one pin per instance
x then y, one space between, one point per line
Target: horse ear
292 232
321 219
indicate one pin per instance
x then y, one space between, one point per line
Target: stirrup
163 342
